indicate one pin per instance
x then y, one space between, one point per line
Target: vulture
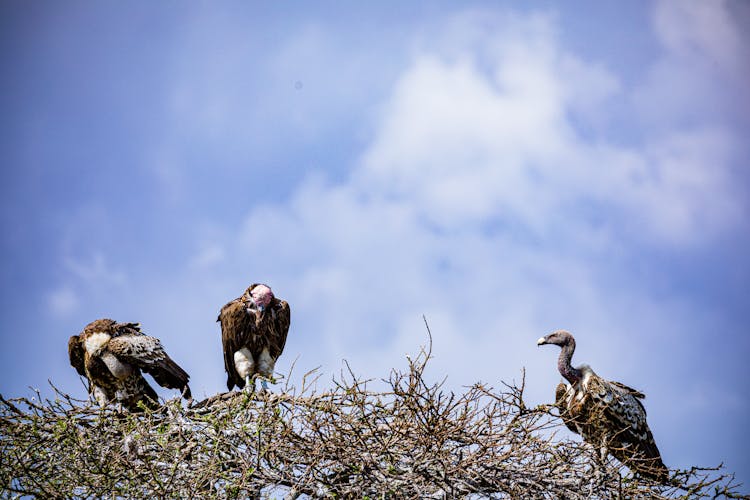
253 333
609 415
112 356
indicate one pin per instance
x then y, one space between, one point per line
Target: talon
249 385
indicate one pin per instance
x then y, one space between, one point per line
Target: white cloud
700 31
210 254
479 204
703 61
466 147
90 281
63 301
94 270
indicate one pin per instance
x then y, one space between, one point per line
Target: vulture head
567 345
257 298
558 337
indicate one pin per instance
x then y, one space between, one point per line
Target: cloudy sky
504 169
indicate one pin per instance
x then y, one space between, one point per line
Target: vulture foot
250 384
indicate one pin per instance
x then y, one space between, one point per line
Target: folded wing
281 320
617 410
236 328
76 354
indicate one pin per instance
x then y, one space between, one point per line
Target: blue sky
505 169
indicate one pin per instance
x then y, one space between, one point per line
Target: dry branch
413 440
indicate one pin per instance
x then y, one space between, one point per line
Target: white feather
100 395
243 362
116 367
266 363
96 342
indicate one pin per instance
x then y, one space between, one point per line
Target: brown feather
243 329
235 333
148 354
76 355
611 413
561 393
114 370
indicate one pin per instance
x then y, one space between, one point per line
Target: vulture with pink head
254 327
608 415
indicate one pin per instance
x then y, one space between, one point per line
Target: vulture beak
541 341
249 305
261 308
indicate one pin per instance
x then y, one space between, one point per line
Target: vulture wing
624 418
76 353
561 402
148 354
281 319
620 387
235 330
119 329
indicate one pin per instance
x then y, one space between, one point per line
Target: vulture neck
572 375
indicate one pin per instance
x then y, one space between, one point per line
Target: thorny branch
414 439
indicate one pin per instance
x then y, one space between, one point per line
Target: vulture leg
245 366
100 396
601 469
603 450
265 368
249 384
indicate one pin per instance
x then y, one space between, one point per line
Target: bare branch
413 439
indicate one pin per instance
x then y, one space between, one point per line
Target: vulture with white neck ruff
253 333
609 415
112 355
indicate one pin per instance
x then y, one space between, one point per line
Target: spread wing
234 330
76 355
148 354
281 320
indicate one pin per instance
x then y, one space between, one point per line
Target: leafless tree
414 439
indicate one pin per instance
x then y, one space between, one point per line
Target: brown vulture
253 333
609 415
112 355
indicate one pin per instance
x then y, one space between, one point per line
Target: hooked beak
250 306
253 306
541 341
